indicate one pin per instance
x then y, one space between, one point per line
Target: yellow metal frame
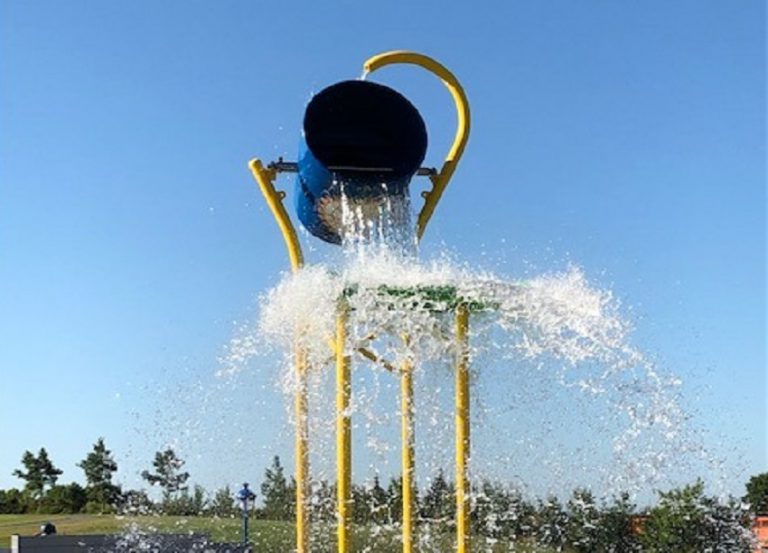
266 179
274 198
407 441
441 178
343 431
462 429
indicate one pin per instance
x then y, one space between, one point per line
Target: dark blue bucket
361 139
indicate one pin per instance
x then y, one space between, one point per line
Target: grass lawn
219 529
267 536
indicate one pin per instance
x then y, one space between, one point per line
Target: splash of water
561 327
560 394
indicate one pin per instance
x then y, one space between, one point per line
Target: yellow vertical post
302 452
343 431
407 439
462 429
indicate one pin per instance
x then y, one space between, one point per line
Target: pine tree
223 503
323 501
185 503
277 493
40 472
499 512
167 474
99 466
33 477
361 499
438 503
49 471
379 502
395 499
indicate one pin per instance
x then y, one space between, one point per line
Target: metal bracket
281 166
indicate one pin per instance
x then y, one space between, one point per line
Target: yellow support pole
265 178
462 430
302 453
407 443
439 180
343 431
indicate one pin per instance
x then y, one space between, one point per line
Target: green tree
323 502
757 494
583 527
361 499
489 509
187 504
395 499
500 512
39 472
686 521
551 523
223 503
99 467
70 498
439 503
32 476
167 474
676 523
12 502
379 502
136 502
371 503
728 526
616 532
278 494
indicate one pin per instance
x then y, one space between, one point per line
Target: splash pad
409 321
358 151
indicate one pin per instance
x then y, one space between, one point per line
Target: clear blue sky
625 137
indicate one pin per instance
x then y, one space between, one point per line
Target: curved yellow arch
439 180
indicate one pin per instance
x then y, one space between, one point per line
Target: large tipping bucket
361 140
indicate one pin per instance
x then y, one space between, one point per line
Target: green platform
437 299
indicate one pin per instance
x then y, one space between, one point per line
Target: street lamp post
246 497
